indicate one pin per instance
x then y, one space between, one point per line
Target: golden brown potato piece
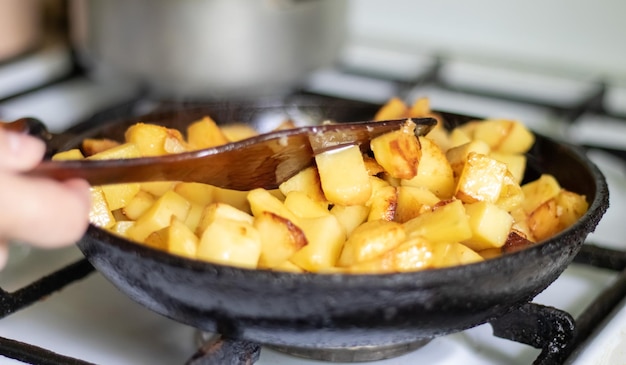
325 237
482 179
280 239
150 139
91 146
490 226
205 133
398 152
371 240
395 108
433 171
343 176
159 215
413 201
506 136
308 181
445 223
230 242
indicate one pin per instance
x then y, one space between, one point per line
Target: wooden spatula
263 161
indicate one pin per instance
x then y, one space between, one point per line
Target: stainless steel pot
208 48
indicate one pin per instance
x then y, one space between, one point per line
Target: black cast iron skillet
332 310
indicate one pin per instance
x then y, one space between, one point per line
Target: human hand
37 211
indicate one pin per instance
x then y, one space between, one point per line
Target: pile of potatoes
409 203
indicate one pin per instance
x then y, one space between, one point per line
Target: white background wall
580 36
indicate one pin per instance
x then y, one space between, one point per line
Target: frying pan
334 310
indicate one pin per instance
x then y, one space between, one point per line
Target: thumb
19 152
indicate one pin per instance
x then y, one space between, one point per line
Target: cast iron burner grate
552 330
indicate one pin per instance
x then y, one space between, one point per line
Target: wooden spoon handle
262 161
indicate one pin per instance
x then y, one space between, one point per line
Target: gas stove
57 310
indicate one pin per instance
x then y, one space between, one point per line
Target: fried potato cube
119 195
433 171
572 207
398 152
490 253
262 200
383 204
236 198
544 221
515 163
280 239
238 131
372 166
459 137
413 201
394 108
420 108
506 136
457 156
181 240
371 240
343 176
138 205
196 192
511 196
73 154
445 223
125 150
176 239
194 216
158 188
121 227
454 254
100 214
216 211
205 133
490 226
307 181
287 266
440 136
325 237
516 241
539 191
481 179
350 216
91 146
157 239
159 215
413 254
556 214
302 206
520 223
175 143
230 242
150 138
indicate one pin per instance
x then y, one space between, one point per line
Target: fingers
19 152
43 212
